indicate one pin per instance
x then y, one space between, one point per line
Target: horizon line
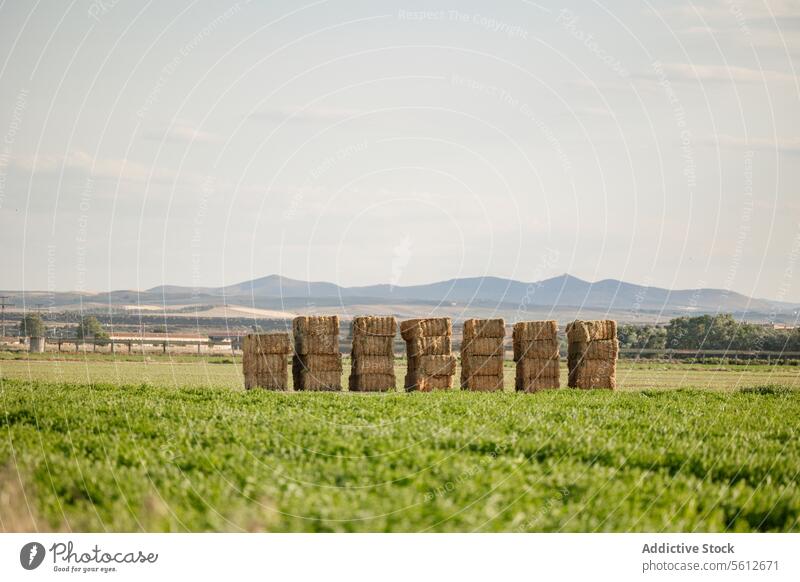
320 281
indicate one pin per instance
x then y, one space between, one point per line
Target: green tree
628 335
723 332
90 327
654 337
687 333
649 337
31 326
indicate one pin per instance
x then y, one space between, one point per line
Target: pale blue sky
206 143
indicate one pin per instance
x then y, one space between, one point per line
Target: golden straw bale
593 374
436 365
600 367
264 361
595 350
269 371
316 325
372 382
319 362
373 345
267 343
536 384
590 330
430 383
371 325
483 383
426 327
484 328
586 380
318 381
428 346
535 330
484 346
529 368
536 349
373 365
316 344
481 365
269 380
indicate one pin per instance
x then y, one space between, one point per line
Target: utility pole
3 305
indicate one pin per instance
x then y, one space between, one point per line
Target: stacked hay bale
372 355
482 354
536 355
317 364
431 365
264 359
593 350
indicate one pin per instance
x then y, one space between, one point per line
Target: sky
207 143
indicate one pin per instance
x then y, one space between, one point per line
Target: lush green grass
111 457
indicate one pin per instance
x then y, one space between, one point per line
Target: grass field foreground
128 458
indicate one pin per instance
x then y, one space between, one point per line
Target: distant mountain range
465 297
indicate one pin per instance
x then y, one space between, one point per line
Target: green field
226 372
112 445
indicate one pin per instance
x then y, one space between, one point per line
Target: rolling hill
562 296
561 291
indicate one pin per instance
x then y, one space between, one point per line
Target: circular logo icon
31 555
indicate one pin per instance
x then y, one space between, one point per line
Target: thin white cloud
755 34
595 111
688 72
299 114
98 168
746 22
693 11
598 86
781 144
725 74
710 30
181 133
727 11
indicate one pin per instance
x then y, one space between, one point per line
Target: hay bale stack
426 327
317 364
482 355
428 346
536 355
373 354
592 354
264 359
431 365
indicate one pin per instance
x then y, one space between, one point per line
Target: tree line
32 325
709 332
